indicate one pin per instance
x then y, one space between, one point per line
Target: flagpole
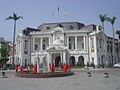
58 9
65 19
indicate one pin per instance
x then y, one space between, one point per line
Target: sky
36 12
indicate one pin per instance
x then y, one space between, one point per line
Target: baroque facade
65 42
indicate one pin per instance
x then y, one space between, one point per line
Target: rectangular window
71 42
92 45
92 60
74 46
45 43
82 45
36 47
26 44
44 47
25 52
70 46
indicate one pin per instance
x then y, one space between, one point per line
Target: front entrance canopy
57 51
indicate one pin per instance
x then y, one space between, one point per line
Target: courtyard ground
79 81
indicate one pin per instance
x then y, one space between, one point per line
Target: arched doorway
81 60
57 61
72 61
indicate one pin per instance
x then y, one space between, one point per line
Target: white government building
65 42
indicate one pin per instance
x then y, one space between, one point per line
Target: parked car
117 65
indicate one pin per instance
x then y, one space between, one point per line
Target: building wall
89 45
22 51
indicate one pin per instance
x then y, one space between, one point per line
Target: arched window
81 61
72 61
48 28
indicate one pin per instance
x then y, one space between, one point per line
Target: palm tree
103 19
15 18
112 21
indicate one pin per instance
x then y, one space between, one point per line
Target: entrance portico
57 54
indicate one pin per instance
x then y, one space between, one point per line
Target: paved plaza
79 81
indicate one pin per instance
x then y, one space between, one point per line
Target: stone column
33 43
61 54
38 64
49 41
75 42
49 60
68 42
41 43
64 57
84 42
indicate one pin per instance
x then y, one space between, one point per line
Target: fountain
41 71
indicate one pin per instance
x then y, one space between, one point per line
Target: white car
117 65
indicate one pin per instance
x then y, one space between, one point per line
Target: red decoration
65 68
53 68
16 69
34 69
21 69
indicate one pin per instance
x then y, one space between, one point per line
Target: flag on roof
58 9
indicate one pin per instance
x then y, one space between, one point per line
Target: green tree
4 53
15 18
112 21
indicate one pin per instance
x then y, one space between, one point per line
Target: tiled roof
27 30
76 25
